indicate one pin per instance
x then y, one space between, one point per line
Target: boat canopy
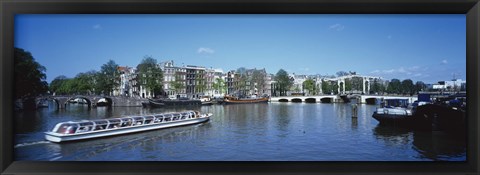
396 102
73 127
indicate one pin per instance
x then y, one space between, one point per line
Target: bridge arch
297 100
283 100
310 100
108 103
371 101
326 100
89 101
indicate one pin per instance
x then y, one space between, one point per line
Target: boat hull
163 103
392 119
55 137
230 101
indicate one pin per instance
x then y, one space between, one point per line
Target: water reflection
432 145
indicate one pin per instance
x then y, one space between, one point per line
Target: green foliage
258 78
348 84
283 81
29 75
178 84
408 87
150 75
309 85
219 85
241 83
57 83
108 77
377 87
394 86
420 86
326 87
85 82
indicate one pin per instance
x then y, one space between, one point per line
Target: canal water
244 132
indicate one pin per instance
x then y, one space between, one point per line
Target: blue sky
425 48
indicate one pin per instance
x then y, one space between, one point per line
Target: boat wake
30 143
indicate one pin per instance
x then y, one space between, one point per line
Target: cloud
444 62
97 26
401 70
417 72
337 27
205 50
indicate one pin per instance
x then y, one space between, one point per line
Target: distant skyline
427 48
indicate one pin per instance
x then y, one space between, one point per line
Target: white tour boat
87 129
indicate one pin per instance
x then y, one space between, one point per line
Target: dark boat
236 100
437 116
394 112
156 103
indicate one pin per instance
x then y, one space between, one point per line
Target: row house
248 82
195 81
229 83
128 82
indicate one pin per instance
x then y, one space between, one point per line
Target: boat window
176 116
158 118
149 119
126 122
192 114
168 117
184 115
85 126
67 128
100 124
138 121
114 123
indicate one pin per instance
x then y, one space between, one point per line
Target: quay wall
127 101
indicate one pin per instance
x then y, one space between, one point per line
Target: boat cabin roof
113 121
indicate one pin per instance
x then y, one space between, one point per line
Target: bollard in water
354 111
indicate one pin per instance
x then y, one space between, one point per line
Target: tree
326 87
408 87
309 85
348 84
283 81
240 83
377 87
394 86
178 84
108 77
150 75
85 82
57 83
420 86
258 79
341 73
219 85
29 75
357 83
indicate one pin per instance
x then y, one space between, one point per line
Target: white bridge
339 99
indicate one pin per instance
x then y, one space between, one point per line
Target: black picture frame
8 9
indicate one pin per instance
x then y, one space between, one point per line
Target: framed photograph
189 87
